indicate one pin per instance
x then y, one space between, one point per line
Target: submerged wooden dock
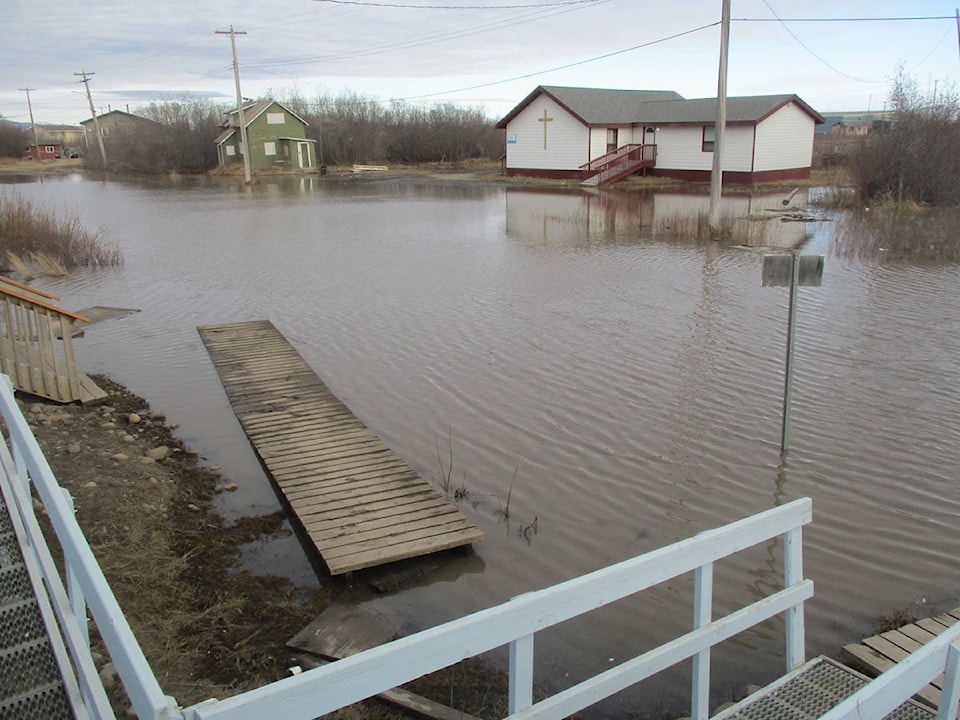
359 502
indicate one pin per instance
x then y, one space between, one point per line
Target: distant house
49 151
66 135
116 123
855 124
277 137
567 132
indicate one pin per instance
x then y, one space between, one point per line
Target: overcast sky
487 53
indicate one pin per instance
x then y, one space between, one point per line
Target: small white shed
562 132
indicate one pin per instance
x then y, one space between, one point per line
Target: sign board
777 270
512 139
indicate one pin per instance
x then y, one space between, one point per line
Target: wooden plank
917 633
872 663
931 625
359 503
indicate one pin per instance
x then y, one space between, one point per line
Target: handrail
24 286
885 693
609 157
21 464
618 163
40 303
514 623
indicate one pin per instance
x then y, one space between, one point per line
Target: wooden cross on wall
545 120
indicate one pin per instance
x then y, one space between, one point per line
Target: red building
50 151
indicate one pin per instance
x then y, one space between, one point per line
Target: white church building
584 133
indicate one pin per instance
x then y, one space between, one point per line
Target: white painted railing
514 623
23 464
890 690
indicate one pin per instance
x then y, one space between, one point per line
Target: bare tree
13 139
916 158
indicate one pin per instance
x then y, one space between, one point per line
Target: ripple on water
634 386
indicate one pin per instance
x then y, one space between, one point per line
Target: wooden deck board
874 655
359 503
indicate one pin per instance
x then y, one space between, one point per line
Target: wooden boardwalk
881 652
359 502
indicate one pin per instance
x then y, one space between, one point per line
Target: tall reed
51 241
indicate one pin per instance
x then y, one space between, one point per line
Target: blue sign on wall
512 139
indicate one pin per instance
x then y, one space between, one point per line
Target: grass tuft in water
49 242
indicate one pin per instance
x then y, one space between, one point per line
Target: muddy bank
208 627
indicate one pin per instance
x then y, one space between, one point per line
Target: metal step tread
31 685
809 692
45 701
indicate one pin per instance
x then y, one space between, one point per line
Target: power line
453 34
570 65
809 50
413 6
845 19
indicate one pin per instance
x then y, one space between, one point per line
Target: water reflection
579 218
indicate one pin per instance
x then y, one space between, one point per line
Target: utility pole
33 125
716 175
236 79
96 123
957 10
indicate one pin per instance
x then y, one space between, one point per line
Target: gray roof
704 110
607 106
595 106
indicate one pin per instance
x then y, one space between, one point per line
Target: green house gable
277 137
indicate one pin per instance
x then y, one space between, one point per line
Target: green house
277 137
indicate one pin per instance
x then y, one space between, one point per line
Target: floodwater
631 383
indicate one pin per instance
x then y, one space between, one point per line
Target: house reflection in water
583 218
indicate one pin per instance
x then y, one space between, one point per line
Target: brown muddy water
634 380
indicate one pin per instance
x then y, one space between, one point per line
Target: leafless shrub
13 139
352 128
54 241
176 136
916 158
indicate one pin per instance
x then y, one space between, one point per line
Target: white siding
680 147
784 140
567 138
598 139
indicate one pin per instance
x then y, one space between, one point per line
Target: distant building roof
594 106
120 114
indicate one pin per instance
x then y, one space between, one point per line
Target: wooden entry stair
360 504
618 164
36 345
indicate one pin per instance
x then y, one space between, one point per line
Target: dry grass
900 231
41 240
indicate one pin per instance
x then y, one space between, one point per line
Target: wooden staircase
618 164
36 345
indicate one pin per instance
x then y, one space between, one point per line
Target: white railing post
74 592
793 573
950 694
702 615
521 674
18 460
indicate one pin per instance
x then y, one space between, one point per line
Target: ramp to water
359 502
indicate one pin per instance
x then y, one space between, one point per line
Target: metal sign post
791 271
